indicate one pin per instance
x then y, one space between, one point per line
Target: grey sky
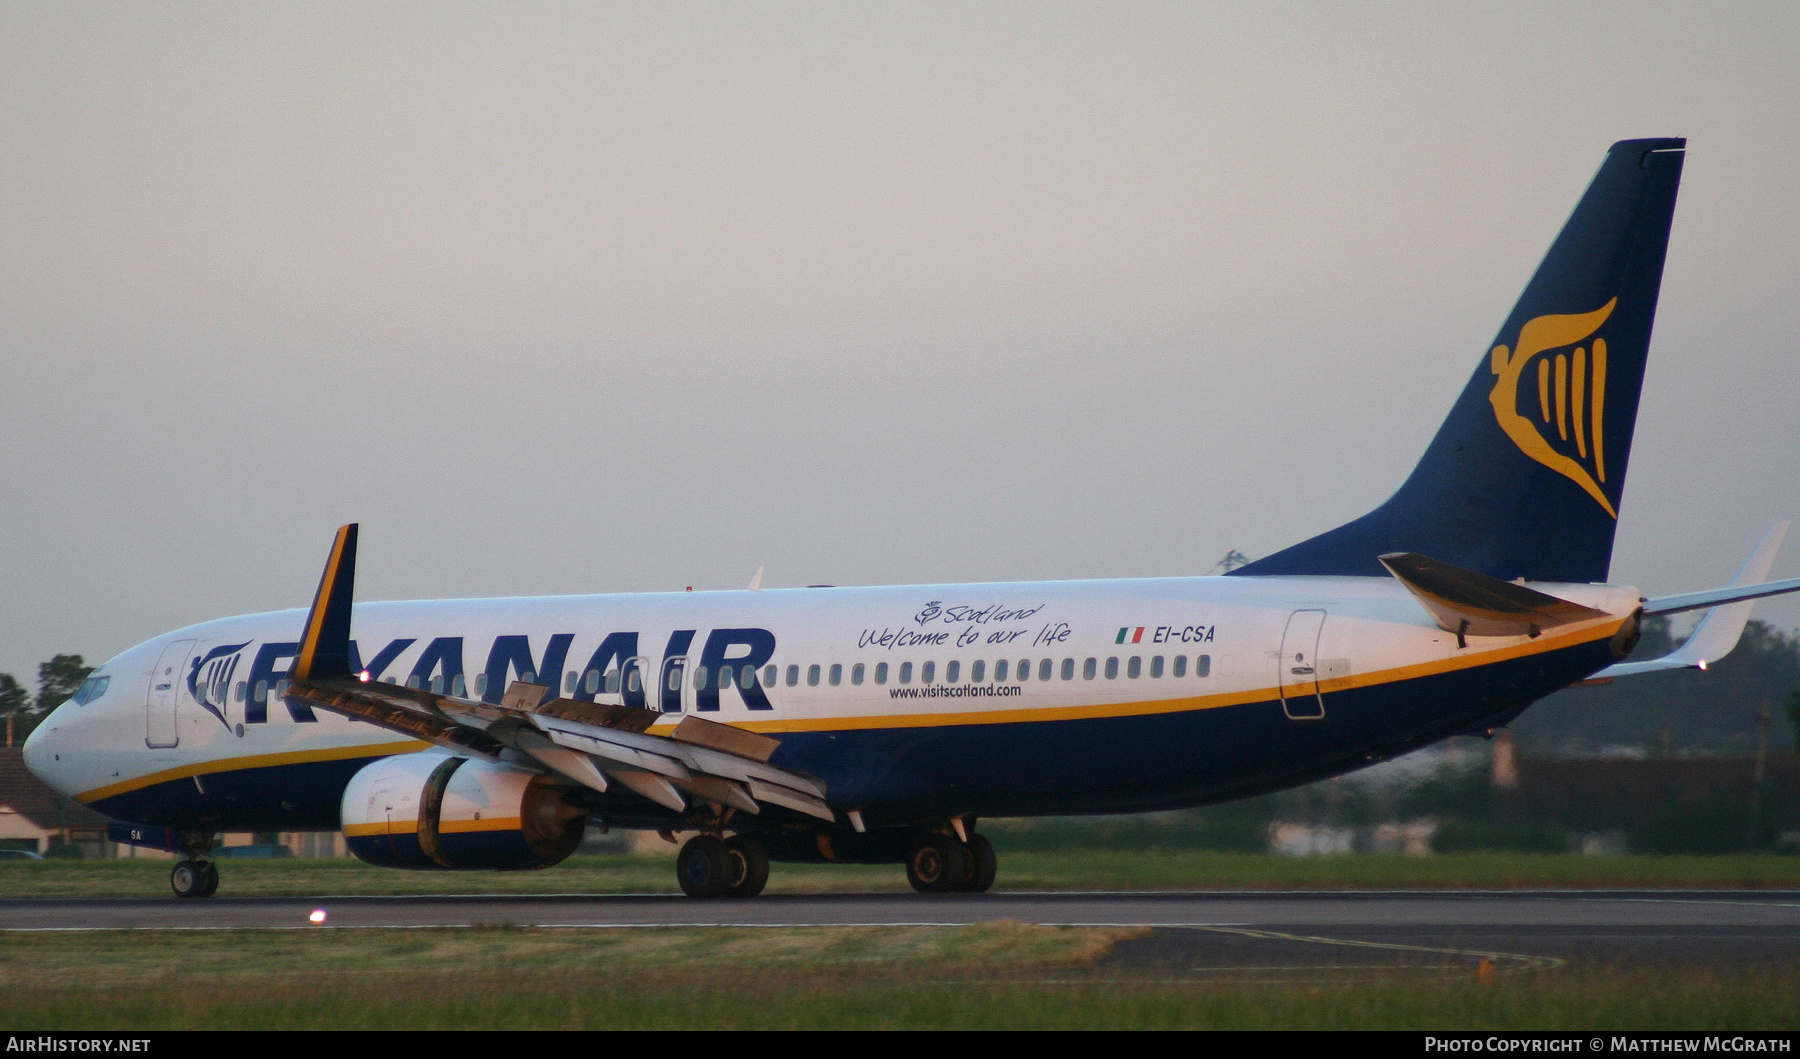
596 297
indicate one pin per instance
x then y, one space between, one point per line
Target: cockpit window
90 689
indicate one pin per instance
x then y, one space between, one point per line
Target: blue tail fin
1524 478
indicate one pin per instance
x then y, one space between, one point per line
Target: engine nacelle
436 811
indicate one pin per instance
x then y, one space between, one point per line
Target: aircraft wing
593 744
1718 631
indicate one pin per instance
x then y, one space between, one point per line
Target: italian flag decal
1130 635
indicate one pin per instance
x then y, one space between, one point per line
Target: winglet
325 646
1718 632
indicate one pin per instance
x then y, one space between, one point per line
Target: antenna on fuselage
1233 559
756 582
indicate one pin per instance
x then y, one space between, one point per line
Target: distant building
37 818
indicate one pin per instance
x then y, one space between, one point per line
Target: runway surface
1193 932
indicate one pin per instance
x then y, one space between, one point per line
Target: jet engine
437 811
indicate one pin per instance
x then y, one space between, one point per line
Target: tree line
1680 711
57 680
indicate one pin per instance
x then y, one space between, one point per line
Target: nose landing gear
194 878
195 875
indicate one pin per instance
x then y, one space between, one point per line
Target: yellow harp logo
1571 396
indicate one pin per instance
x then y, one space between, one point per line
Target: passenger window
727 675
568 682
927 672
768 676
1181 665
952 670
856 674
1068 669
634 682
1203 666
457 687
413 682
837 674
1000 671
699 678
1156 666
1112 668
977 670
262 691
674 681
747 677
612 682
793 675
1134 667
591 682
812 676
906 672
1088 668
881 672
526 675
242 686
437 684
1024 669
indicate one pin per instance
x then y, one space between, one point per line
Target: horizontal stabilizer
1467 603
1719 596
1718 632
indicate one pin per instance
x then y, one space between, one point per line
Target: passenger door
1298 666
164 693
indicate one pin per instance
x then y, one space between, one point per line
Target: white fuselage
912 663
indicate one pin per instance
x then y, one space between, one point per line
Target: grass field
992 976
989 976
1072 870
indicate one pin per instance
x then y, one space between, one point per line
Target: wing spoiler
592 744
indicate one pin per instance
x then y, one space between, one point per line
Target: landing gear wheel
193 878
938 864
703 867
749 866
982 866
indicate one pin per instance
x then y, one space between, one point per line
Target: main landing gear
195 874
950 859
943 864
710 866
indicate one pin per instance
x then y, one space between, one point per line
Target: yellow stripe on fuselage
1542 645
255 761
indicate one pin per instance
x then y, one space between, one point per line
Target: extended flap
701 732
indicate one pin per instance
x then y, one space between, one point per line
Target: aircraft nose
41 753
35 753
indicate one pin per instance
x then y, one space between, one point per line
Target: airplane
880 724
